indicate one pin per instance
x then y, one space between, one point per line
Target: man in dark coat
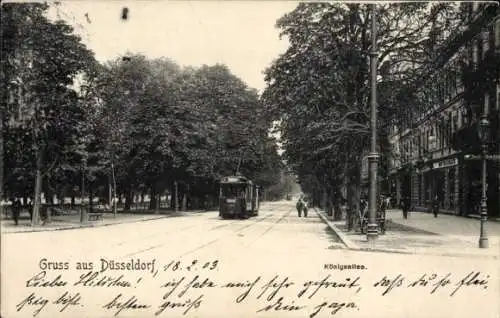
304 208
16 210
299 206
405 206
435 206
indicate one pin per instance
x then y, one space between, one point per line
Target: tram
238 198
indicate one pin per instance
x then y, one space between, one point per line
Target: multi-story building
431 143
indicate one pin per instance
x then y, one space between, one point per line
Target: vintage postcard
250 159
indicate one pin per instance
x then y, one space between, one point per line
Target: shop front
437 179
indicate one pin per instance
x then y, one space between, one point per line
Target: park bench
95 216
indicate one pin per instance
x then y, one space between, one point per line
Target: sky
240 34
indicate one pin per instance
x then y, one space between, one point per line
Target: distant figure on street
30 209
16 210
435 206
383 206
304 208
405 206
299 206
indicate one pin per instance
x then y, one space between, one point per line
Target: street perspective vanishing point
250 159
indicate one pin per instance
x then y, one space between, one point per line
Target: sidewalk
421 233
67 222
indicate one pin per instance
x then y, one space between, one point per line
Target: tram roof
234 179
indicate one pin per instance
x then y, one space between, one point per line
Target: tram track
164 233
269 228
223 236
239 230
275 223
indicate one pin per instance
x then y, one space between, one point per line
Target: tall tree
319 88
44 57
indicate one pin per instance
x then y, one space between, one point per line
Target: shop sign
445 163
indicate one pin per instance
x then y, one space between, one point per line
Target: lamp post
483 132
372 229
83 211
428 160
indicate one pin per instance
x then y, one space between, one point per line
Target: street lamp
428 160
483 130
372 228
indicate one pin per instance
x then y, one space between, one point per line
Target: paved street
276 242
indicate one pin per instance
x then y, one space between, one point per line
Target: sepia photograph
295 159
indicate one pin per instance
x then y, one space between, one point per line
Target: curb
342 237
354 247
88 225
444 254
468 216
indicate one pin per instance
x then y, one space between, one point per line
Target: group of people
302 207
17 207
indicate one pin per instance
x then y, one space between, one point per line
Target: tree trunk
114 189
48 214
153 200
60 200
128 199
83 210
72 200
338 211
38 186
351 206
171 203
110 192
185 198
176 200
91 199
47 192
1 161
336 206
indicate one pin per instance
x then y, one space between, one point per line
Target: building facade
430 145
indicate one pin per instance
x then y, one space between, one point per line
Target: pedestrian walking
299 206
435 206
304 208
405 206
16 210
381 213
30 209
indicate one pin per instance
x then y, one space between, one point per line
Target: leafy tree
319 88
41 59
76 127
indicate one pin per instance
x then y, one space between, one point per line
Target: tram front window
233 191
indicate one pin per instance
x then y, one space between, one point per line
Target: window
426 140
497 34
498 97
442 132
450 129
491 36
233 190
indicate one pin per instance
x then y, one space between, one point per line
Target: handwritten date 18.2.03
194 265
